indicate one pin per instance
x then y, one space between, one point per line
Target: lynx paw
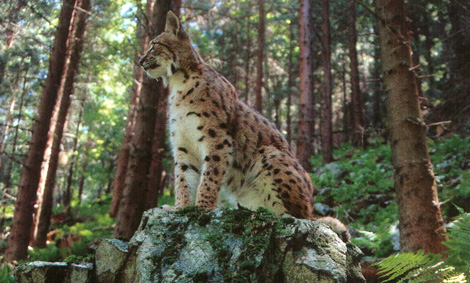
168 208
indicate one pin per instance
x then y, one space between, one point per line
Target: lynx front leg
186 178
214 170
215 165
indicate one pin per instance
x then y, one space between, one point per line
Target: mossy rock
236 245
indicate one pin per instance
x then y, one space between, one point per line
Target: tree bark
81 181
260 58
133 202
290 84
6 127
119 180
13 17
15 136
421 224
159 136
247 56
65 92
26 198
305 127
327 114
358 129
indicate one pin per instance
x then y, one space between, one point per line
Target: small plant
5 274
420 267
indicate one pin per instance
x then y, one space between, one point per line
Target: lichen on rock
237 245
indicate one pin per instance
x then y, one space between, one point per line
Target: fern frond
406 266
459 245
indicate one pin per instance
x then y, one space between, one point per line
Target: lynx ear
172 23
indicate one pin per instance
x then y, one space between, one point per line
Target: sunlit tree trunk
358 129
11 22
327 115
119 180
6 127
8 174
159 136
421 224
305 127
377 113
158 150
290 84
247 56
259 59
81 180
26 198
67 88
133 202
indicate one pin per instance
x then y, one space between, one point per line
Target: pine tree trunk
66 90
305 127
15 136
121 171
290 85
377 88
247 57
327 115
260 58
159 136
421 224
158 150
81 181
9 33
26 198
133 202
6 127
358 133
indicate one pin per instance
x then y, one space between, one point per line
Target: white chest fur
183 127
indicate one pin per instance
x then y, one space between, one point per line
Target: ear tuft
172 23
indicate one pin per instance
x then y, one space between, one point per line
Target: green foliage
421 267
50 253
5 274
459 245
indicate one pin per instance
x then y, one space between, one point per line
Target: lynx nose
142 60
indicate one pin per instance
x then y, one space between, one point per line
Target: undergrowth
420 267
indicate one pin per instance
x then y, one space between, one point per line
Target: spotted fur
219 143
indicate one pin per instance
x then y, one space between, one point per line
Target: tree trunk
119 180
158 150
290 85
66 89
159 136
358 129
247 56
135 192
327 115
73 161
377 88
259 62
26 198
11 24
81 181
6 127
15 136
421 224
305 127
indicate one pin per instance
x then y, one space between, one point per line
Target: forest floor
357 188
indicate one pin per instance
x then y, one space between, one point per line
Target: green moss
196 214
78 259
253 230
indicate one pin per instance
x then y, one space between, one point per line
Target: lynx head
170 51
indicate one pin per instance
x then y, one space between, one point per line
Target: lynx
220 143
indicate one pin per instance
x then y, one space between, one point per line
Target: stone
53 272
236 245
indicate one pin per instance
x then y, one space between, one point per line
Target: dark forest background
83 130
